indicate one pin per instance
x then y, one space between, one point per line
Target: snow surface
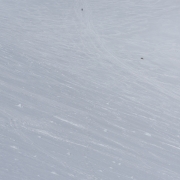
90 94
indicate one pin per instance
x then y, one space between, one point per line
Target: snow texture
89 90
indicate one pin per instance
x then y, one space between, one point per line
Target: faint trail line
28 140
138 75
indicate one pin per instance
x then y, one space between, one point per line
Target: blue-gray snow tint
90 90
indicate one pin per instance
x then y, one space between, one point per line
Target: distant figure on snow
82 9
142 58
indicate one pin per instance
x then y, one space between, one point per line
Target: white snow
92 94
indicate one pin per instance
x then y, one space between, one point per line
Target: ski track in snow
76 99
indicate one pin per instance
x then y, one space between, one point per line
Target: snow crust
89 90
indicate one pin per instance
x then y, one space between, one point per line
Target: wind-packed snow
90 90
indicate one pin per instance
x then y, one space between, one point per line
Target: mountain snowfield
90 90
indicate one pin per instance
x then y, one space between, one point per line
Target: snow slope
92 94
